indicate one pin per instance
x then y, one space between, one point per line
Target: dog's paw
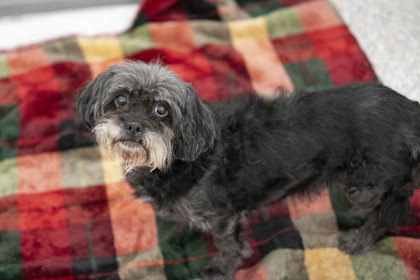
352 242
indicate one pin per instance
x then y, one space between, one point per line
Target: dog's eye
121 100
161 110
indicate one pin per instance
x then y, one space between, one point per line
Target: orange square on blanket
173 35
119 190
134 226
39 173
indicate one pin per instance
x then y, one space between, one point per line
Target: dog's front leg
232 248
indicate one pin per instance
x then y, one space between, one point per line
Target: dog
209 164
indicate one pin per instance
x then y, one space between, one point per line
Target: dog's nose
133 128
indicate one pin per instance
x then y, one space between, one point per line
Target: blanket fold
65 211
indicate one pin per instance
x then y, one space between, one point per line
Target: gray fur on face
191 120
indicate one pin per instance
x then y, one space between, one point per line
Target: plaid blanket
66 212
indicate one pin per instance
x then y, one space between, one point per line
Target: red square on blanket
164 10
39 201
332 41
345 68
38 94
102 238
342 56
91 239
228 70
87 212
78 235
85 196
44 244
70 77
294 48
38 113
41 210
409 252
45 253
196 69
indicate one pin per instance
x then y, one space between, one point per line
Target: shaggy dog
209 164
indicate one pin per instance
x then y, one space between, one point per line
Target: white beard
155 151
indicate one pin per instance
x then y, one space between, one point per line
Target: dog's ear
89 103
196 131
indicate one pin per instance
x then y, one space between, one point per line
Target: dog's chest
186 206
184 211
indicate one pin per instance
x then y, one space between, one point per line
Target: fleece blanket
66 212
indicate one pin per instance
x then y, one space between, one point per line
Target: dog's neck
162 187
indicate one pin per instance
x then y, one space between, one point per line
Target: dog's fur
209 164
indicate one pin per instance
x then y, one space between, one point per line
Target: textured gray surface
389 33
19 7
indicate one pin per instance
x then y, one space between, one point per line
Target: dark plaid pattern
65 211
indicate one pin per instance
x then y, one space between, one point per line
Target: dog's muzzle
134 145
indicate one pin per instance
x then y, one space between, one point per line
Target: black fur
194 135
364 137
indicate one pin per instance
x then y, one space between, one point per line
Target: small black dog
209 164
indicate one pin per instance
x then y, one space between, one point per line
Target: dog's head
146 116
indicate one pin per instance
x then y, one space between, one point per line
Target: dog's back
365 136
